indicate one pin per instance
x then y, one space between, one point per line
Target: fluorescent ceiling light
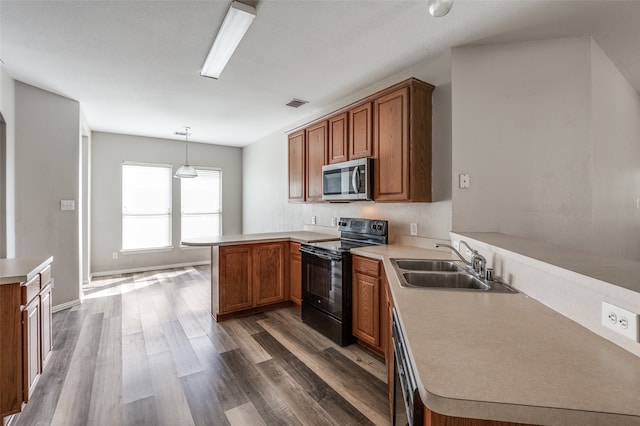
234 27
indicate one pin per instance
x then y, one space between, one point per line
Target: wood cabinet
432 418
316 152
250 277
296 167
402 143
360 131
295 274
25 331
338 138
368 313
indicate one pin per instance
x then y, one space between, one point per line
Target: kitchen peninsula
252 272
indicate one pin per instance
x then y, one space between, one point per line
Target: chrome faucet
477 264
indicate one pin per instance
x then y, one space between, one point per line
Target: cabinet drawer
366 266
31 289
45 277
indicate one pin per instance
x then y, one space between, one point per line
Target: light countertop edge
22 269
512 384
298 236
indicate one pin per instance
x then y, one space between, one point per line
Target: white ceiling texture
135 65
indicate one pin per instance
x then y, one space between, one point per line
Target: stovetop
355 232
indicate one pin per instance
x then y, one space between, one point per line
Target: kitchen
551 208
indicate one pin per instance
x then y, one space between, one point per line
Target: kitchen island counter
508 357
223 240
21 270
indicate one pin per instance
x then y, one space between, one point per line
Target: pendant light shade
185 170
439 8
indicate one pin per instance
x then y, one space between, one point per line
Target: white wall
108 151
47 160
548 132
616 160
266 207
7 107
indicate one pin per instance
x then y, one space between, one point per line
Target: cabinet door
295 280
391 140
45 325
338 146
366 309
235 286
31 347
269 273
360 129
296 167
316 153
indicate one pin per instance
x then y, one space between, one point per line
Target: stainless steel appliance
407 405
347 181
326 277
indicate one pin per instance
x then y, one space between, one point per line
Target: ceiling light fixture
439 8
185 170
234 27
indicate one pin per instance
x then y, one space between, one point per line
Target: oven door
322 280
407 405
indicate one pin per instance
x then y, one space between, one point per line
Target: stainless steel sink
452 280
443 274
429 265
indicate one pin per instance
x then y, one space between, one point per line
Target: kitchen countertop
22 269
507 356
299 236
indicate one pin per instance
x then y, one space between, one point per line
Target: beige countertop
508 357
299 236
22 269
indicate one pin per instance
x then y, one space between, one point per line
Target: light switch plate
620 320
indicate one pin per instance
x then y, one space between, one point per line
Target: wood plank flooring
143 350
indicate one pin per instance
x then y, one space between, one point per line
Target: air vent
295 103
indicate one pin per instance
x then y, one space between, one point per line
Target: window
202 204
146 206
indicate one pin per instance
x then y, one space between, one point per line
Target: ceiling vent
295 103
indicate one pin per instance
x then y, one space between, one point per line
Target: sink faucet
478 263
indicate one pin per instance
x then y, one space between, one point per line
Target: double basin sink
443 274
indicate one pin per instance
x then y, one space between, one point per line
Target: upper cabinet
316 157
393 127
402 143
296 167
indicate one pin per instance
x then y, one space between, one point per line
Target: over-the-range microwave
347 181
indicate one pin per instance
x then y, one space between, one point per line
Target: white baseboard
148 268
65 305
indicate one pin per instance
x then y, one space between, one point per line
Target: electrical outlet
620 320
67 205
334 221
114 255
313 220
464 182
413 228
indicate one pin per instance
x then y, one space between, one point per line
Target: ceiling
134 66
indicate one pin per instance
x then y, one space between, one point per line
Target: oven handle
320 254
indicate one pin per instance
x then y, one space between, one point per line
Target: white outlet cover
413 228
67 205
620 320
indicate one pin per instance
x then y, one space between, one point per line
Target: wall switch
413 228
114 255
464 181
313 220
334 221
67 205
620 320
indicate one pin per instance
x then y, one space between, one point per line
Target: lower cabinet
251 276
295 274
25 336
369 313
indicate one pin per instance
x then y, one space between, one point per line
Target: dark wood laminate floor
143 350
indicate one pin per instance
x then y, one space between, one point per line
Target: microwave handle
355 180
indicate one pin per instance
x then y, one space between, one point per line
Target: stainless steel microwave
347 181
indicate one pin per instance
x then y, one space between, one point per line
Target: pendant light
439 8
185 170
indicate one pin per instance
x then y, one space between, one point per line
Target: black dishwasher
407 405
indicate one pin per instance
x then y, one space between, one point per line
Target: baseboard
65 305
148 268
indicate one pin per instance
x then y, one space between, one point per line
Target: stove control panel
363 226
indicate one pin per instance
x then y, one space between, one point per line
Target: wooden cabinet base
222 317
434 419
